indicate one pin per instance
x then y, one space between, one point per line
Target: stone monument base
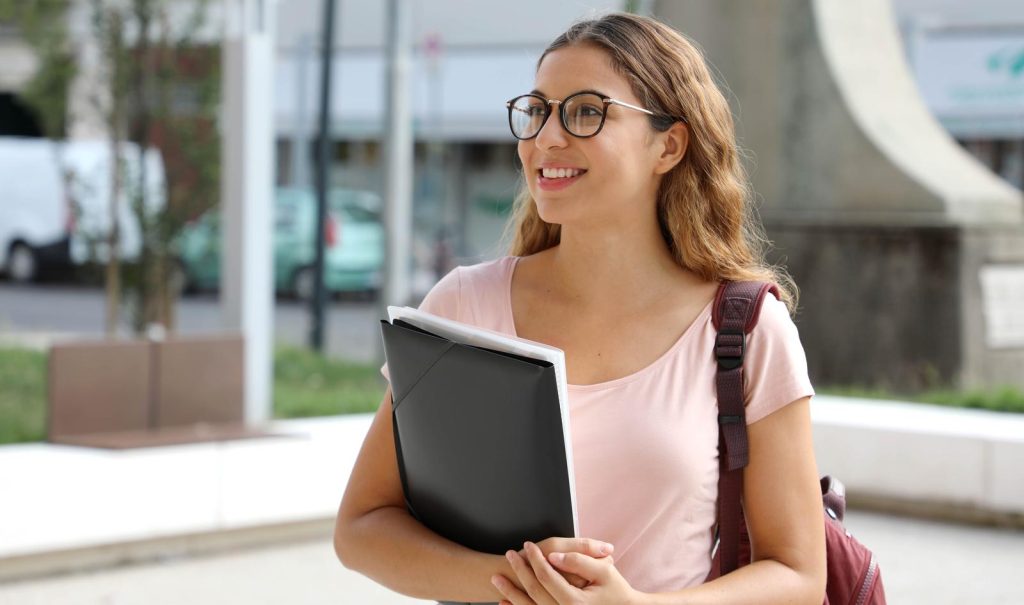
908 308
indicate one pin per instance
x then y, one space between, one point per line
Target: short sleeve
443 300
775 365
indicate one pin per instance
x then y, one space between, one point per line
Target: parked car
354 239
55 205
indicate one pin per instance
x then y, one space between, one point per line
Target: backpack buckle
729 348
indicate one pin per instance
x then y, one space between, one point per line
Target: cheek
524 150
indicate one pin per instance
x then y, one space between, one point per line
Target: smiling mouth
560 173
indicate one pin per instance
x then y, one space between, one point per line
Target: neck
621 266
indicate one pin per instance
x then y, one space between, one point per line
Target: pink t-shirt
645 446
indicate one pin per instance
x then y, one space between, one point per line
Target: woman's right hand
588 546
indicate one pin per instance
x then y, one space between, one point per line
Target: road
49 309
922 562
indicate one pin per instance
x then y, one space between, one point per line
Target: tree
171 86
109 29
159 87
43 26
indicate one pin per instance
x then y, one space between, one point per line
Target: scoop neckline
701 318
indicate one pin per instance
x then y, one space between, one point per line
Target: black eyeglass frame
510 104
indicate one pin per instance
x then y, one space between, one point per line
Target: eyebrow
593 92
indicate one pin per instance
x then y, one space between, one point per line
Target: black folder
479 439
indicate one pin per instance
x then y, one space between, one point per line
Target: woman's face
614 170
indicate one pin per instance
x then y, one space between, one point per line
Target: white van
55 203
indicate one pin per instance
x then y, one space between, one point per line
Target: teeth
559 173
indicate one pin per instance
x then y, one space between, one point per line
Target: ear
671 146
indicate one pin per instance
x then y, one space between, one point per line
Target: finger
511 595
575 580
589 568
528 579
587 546
548 576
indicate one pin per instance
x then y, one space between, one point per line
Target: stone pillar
909 253
247 190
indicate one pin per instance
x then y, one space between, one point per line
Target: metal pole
316 336
398 172
300 135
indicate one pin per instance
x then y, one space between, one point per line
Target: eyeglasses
582 114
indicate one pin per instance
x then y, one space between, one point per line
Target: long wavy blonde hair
704 204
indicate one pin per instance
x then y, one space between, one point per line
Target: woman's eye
590 111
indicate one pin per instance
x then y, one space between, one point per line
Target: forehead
582 67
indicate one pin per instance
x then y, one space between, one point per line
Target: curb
91 558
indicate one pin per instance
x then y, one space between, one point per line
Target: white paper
481 337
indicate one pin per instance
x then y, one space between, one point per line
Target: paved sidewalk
922 562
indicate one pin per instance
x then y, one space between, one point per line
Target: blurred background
205 207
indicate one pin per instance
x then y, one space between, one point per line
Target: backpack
853 574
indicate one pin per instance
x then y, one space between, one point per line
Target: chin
555 212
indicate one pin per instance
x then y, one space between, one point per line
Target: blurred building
968 59
470 57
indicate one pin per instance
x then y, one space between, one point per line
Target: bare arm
376 536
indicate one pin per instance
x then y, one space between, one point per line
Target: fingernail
510 555
496 580
607 549
556 557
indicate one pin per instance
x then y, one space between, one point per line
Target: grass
1002 399
305 384
22 395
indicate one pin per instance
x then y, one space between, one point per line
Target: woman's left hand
544 585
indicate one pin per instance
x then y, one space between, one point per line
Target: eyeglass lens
582 114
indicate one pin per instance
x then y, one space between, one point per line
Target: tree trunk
115 44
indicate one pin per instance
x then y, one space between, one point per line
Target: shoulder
486 273
454 295
776 364
774 321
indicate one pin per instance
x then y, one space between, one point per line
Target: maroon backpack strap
736 310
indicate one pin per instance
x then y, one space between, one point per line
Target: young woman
635 208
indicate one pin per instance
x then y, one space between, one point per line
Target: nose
552 134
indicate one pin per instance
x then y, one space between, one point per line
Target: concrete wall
882 219
852 329
826 104
901 307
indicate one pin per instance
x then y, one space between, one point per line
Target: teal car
353 235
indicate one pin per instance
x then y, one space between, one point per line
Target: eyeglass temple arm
624 104
647 111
